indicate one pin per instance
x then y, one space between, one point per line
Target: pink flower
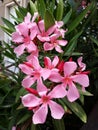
59 30
42 102
51 65
44 35
30 22
70 78
23 37
54 43
82 66
34 73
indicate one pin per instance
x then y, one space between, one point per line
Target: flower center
45 99
27 40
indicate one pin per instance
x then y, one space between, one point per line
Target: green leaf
48 19
32 7
59 10
22 10
94 40
24 118
21 92
9 24
78 19
67 16
58 124
41 7
6 30
72 44
77 109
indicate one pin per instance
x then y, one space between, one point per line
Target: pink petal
57 111
72 93
58 92
48 46
23 29
82 79
58 49
59 23
62 42
55 61
31 47
41 26
19 50
45 73
28 82
69 68
16 37
26 69
40 115
33 32
30 100
55 77
51 30
47 62
81 64
43 38
35 63
35 16
41 87
27 18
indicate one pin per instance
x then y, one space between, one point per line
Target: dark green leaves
49 19
77 109
78 19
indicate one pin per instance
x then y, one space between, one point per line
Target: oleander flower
55 43
34 73
43 101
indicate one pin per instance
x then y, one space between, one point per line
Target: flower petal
19 50
58 92
82 79
35 63
72 93
55 77
62 42
48 46
31 47
55 61
16 37
26 69
45 73
69 68
30 100
41 87
23 29
56 110
40 115
28 82
58 49
41 26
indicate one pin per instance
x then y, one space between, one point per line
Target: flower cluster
48 78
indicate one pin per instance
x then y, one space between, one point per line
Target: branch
16 3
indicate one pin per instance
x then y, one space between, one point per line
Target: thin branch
16 3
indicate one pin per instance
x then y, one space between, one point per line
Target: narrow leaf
59 11
9 24
32 7
41 7
94 40
48 19
77 109
67 16
72 44
79 18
